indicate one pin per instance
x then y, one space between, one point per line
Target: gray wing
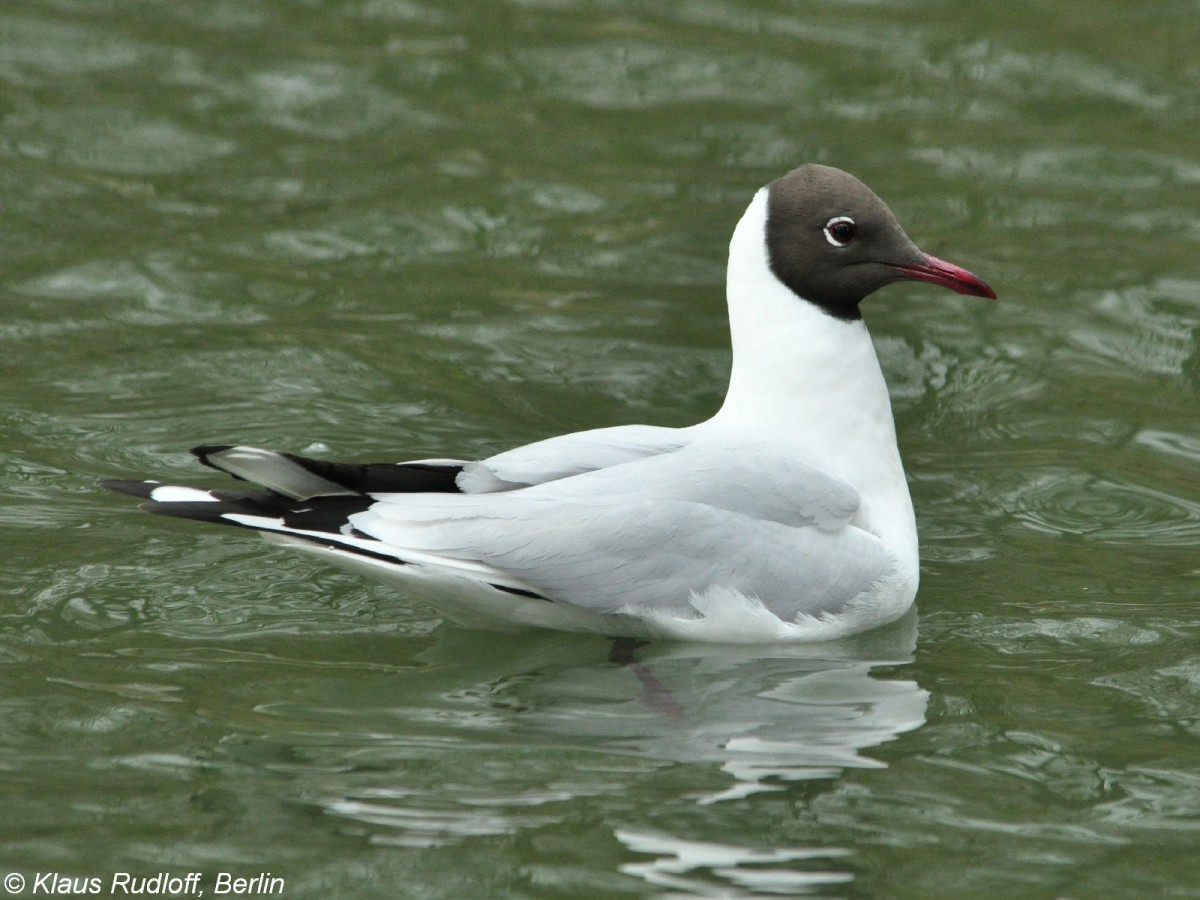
568 455
652 532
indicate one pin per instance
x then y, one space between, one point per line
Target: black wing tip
144 490
204 451
129 486
194 511
208 449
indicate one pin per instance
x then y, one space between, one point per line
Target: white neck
811 384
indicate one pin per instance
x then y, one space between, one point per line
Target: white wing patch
170 493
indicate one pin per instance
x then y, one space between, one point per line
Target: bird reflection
654 693
764 714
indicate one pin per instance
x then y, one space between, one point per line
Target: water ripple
113 140
157 290
1026 72
32 47
328 100
1065 501
1094 168
697 868
1171 443
633 75
1150 328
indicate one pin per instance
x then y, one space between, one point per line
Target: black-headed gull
785 516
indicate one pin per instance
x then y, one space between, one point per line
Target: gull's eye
840 231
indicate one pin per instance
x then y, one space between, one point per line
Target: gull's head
831 241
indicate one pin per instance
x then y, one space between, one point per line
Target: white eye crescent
840 231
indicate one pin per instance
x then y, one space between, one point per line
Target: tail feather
311 502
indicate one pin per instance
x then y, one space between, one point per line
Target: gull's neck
798 373
807 382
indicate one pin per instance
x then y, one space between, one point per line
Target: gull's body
784 516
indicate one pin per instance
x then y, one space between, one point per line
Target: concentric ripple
1071 502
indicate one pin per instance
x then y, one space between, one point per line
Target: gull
784 517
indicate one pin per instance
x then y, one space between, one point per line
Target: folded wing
628 520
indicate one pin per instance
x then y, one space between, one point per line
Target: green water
379 229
